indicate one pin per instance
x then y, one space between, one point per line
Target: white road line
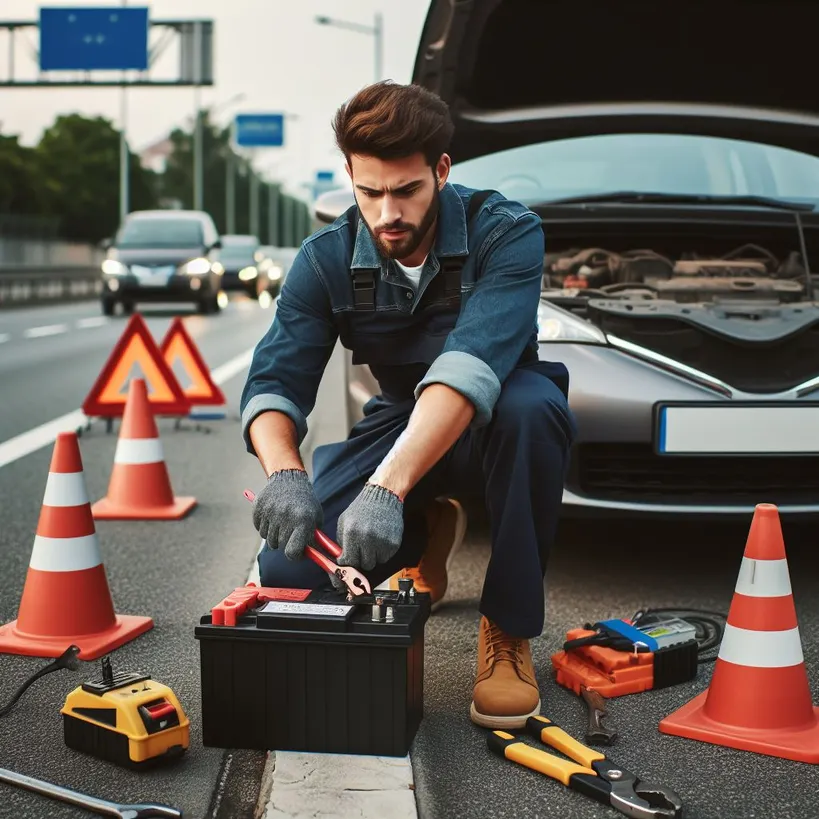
4 337
232 367
94 321
46 330
39 437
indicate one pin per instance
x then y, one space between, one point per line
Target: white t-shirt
412 273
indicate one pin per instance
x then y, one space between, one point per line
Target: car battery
298 670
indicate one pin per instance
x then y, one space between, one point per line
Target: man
444 313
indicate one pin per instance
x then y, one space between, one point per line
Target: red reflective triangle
178 344
136 346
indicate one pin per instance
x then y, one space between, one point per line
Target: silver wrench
91 803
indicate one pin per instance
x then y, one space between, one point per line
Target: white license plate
729 429
153 277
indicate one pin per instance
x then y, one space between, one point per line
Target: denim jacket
411 339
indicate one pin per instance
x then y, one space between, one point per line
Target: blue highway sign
93 39
259 130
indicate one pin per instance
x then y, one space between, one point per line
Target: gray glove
287 512
371 528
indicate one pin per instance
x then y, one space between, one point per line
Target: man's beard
409 243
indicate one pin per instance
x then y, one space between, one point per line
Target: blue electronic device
94 39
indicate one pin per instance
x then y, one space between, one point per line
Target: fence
48 284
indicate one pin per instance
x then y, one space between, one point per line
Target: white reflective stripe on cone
65 554
761 649
65 489
763 578
138 451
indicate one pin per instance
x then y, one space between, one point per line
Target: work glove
287 512
371 528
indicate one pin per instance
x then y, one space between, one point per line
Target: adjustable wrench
91 803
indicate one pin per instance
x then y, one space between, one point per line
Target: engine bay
748 272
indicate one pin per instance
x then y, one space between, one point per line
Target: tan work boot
446 521
506 692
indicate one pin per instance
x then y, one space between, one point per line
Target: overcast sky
271 51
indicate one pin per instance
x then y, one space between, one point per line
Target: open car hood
516 72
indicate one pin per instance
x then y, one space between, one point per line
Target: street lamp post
377 31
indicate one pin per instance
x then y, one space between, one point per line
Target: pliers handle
356 583
591 773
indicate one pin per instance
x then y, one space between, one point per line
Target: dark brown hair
391 121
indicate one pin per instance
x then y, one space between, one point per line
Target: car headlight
217 268
196 267
275 272
554 324
111 267
248 273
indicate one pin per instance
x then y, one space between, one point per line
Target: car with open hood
673 157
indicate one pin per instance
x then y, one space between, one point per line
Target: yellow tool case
127 718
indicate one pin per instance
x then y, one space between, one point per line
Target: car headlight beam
111 267
196 267
556 325
248 273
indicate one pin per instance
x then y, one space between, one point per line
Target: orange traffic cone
140 487
66 599
759 698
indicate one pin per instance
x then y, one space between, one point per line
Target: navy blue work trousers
515 465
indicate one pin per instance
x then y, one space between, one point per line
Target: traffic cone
66 599
140 487
759 698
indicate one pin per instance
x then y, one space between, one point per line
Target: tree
79 160
177 183
22 188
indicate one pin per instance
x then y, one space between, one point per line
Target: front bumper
177 288
615 471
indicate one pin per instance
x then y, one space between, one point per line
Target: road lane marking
39 437
94 321
28 442
232 367
46 330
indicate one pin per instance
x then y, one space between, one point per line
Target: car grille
634 473
751 367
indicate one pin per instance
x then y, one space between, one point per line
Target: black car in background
238 262
163 256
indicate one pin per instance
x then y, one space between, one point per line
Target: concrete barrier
30 284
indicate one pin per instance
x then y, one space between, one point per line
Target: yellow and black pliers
594 776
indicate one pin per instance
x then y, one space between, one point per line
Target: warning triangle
135 351
178 346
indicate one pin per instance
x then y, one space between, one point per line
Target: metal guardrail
40 285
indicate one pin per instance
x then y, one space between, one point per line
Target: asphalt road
171 571
175 572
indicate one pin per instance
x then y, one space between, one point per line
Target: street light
376 30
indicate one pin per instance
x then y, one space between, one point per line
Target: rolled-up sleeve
289 361
498 319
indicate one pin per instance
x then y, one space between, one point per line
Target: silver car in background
679 236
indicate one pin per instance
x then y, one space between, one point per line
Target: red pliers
356 583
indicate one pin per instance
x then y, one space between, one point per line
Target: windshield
658 163
149 233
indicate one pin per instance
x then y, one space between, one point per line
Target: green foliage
72 176
79 159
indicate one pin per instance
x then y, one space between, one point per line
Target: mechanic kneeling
465 409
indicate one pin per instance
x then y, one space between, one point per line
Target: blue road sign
324 176
258 130
93 39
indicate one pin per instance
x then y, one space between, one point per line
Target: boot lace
503 647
